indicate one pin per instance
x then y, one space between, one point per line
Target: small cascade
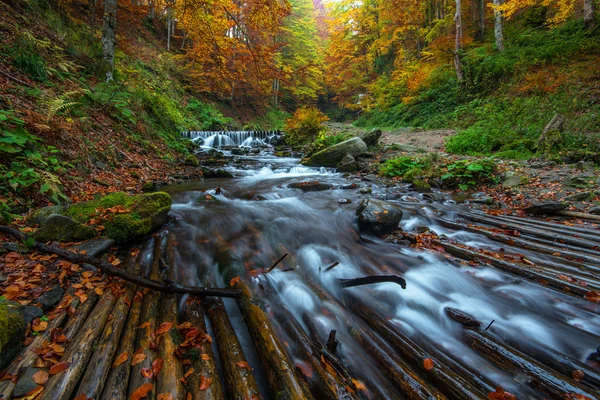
233 138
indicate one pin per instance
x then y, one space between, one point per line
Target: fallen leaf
157 366
138 358
141 392
188 373
578 375
233 281
33 394
243 364
121 358
40 377
82 396
164 396
500 394
204 383
359 385
205 356
39 326
164 327
428 364
58 368
147 373
144 325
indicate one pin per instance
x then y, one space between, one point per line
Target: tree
589 13
109 39
498 25
458 42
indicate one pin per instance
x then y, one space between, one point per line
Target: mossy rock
421 186
192 161
144 213
63 229
12 331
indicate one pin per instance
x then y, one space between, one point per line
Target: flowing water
256 218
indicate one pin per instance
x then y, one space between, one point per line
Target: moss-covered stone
12 331
63 229
149 187
137 216
192 161
421 186
42 214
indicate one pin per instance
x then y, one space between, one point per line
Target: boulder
378 216
63 229
348 164
12 331
546 208
216 173
94 247
512 179
371 138
39 216
581 196
421 186
310 186
51 298
365 190
594 210
31 312
552 134
331 156
132 216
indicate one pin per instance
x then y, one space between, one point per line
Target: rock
310 186
408 148
149 187
348 164
365 190
594 210
141 215
370 178
191 161
238 151
206 198
371 138
94 247
26 383
349 186
460 198
12 331
421 186
487 200
63 229
583 165
512 179
344 201
409 199
578 182
51 298
216 173
378 216
581 196
42 214
31 312
546 208
331 156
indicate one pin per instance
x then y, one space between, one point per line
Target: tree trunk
498 26
109 39
457 49
481 19
589 16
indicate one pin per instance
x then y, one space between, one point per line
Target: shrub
305 126
466 173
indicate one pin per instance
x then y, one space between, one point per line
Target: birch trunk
589 13
498 26
109 39
457 49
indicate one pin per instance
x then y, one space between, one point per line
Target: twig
9 76
77 258
332 266
367 280
276 263
488 327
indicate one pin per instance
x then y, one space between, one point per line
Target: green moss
192 161
12 331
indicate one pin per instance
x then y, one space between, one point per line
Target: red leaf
157 366
233 281
141 392
58 368
204 383
428 364
164 327
147 373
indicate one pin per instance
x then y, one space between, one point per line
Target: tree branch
107 268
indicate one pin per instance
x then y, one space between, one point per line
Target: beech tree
109 39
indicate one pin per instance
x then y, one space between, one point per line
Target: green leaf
44 188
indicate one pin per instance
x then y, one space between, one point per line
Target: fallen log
540 377
576 214
275 359
28 356
238 376
204 382
561 228
97 371
79 351
82 312
107 268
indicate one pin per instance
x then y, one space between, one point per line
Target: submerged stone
310 186
378 216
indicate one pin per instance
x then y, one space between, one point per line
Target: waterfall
233 138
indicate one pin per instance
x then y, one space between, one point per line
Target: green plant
305 126
401 166
467 173
324 141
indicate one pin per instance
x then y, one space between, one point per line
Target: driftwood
205 368
167 287
576 214
512 360
276 362
371 279
238 375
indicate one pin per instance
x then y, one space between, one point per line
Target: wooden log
79 351
169 380
238 376
456 382
206 374
275 360
28 356
548 381
77 320
369 280
118 378
576 214
562 228
95 375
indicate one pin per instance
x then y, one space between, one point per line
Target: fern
64 102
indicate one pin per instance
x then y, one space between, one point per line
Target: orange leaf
243 364
40 377
188 373
164 327
205 356
141 392
39 325
121 358
138 358
204 383
58 368
500 394
428 364
578 375
157 366
233 281
82 396
164 396
359 385
147 373
144 325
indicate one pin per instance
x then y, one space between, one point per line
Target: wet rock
460 198
31 312
378 216
209 173
410 199
349 186
331 156
149 187
206 198
26 383
370 178
581 196
12 331
594 210
546 208
238 151
63 229
421 186
487 200
94 247
371 138
51 298
42 214
348 164
344 201
578 182
365 190
310 186
512 179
